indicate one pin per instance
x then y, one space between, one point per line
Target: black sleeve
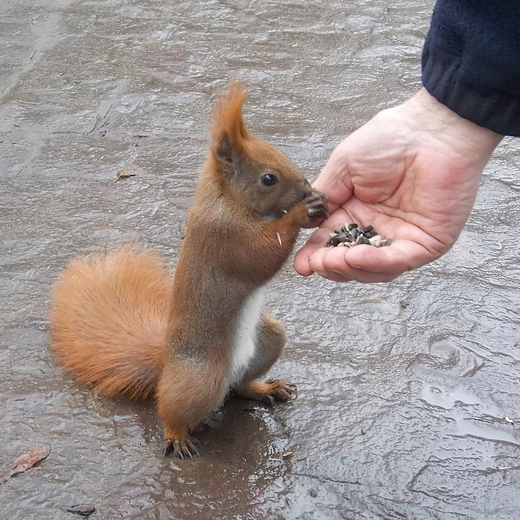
471 61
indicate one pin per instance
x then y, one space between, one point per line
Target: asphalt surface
409 392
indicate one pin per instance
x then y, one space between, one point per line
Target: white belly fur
245 336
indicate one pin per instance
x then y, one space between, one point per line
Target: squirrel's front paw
316 204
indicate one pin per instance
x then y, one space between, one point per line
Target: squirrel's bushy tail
108 320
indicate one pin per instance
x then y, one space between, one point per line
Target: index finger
334 179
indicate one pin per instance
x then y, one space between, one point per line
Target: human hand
412 172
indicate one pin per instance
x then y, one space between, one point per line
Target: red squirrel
121 324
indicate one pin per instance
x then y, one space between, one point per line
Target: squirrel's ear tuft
228 130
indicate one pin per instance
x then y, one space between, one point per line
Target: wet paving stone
393 418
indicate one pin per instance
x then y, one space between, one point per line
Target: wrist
432 118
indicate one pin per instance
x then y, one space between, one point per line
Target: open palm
413 173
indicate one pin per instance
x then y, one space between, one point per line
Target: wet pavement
409 392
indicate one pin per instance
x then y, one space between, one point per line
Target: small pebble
351 235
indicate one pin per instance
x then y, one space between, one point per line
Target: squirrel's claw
181 449
269 392
281 390
316 204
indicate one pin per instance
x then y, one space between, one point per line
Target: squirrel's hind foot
269 392
181 449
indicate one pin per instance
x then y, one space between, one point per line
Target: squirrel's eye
269 179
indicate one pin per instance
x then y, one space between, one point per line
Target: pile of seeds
351 235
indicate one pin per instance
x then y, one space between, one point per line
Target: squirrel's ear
225 151
227 156
228 130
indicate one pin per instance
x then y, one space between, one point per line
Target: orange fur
108 320
227 116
